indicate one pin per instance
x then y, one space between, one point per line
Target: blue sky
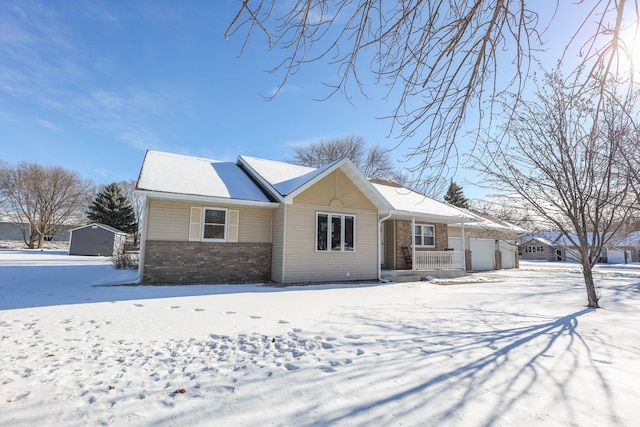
91 85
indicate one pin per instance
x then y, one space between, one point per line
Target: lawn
515 347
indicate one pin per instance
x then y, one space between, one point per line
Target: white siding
303 263
277 244
170 220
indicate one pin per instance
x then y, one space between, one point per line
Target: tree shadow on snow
486 372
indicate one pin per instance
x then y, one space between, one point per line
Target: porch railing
438 260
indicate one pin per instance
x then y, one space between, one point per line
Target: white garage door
483 254
508 253
615 257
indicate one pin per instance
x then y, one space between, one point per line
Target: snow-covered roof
286 180
104 226
631 239
486 222
178 175
407 203
528 238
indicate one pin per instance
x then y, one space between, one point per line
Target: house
554 246
624 248
96 240
547 246
255 220
491 243
12 230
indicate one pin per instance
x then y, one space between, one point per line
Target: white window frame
330 216
422 235
226 223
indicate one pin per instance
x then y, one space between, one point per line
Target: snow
281 176
512 347
406 200
285 178
486 223
178 174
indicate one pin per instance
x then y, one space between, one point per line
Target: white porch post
413 243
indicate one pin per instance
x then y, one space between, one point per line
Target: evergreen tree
113 207
455 196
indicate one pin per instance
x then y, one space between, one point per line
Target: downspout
380 221
143 240
464 249
413 243
284 241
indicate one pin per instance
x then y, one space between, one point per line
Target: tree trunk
592 295
40 241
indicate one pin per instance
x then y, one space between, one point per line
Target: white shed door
615 257
508 252
482 254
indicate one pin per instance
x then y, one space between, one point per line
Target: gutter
206 199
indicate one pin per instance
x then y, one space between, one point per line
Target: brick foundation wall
196 262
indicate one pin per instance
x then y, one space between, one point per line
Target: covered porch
413 248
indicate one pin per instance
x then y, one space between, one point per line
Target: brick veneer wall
403 238
197 262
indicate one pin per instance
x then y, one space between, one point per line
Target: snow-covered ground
503 348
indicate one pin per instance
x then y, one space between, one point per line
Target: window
425 236
335 232
214 225
535 249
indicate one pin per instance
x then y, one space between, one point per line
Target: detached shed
96 239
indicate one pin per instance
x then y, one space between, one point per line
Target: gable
335 190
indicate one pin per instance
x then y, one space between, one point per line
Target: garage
615 256
508 254
482 254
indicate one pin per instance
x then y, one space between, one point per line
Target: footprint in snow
327 369
199 309
291 366
175 306
229 312
282 322
138 305
255 317
326 345
352 337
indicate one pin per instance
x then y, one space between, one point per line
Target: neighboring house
554 246
546 246
11 230
491 243
624 249
96 240
257 220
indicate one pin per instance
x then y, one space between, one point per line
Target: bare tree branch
563 157
442 62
